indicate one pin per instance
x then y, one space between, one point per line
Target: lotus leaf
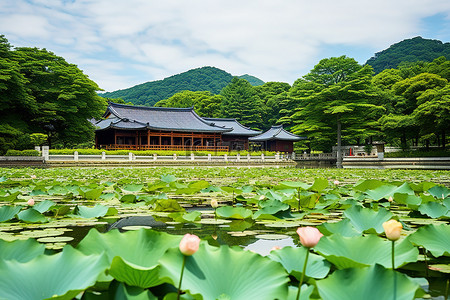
362 251
129 198
167 205
133 187
305 294
230 212
186 217
20 250
209 272
31 215
388 190
434 238
412 201
438 191
366 219
434 210
91 212
136 263
10 198
8 212
319 185
343 227
374 282
293 260
44 206
60 276
296 184
368 184
93 194
168 178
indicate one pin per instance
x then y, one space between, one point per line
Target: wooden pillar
115 137
160 139
148 137
171 138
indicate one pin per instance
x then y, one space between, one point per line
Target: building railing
164 147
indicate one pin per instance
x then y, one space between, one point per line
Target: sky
121 43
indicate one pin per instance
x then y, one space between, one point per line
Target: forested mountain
410 50
209 79
252 79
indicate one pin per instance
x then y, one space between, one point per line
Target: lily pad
61 276
137 263
91 212
230 212
8 212
366 219
293 260
362 251
21 250
343 227
31 215
434 238
209 272
433 210
374 282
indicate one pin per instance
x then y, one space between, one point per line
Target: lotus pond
81 233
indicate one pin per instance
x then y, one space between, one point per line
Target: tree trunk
443 139
339 152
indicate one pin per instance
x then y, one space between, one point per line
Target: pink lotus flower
189 244
309 236
30 202
336 182
392 228
275 248
33 176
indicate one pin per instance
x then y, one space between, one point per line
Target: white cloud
151 39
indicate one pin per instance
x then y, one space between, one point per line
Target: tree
337 93
271 95
65 97
240 101
205 103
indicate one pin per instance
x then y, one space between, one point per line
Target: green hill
201 79
252 79
410 50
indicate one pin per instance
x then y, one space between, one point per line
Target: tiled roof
238 128
122 116
276 133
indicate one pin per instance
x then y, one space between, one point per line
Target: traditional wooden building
157 128
237 138
276 139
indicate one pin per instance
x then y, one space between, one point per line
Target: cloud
273 40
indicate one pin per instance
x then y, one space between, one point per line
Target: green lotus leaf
8 212
293 260
433 210
446 202
319 185
387 190
167 205
120 291
136 263
438 191
231 190
93 194
269 208
366 219
230 212
199 185
107 196
38 191
296 184
57 190
343 227
363 251
10 198
374 282
368 184
20 250
434 238
133 187
91 212
307 290
30 215
60 276
128 198
44 206
186 217
226 273
412 201
168 178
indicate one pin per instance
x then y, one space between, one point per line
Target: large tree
240 101
42 93
336 99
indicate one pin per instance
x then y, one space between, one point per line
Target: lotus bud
392 228
275 248
309 236
189 244
33 176
336 182
390 199
214 203
30 202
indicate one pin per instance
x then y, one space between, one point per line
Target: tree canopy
42 93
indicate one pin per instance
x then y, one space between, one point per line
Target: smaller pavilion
277 139
236 139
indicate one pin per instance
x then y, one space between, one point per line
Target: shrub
22 153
